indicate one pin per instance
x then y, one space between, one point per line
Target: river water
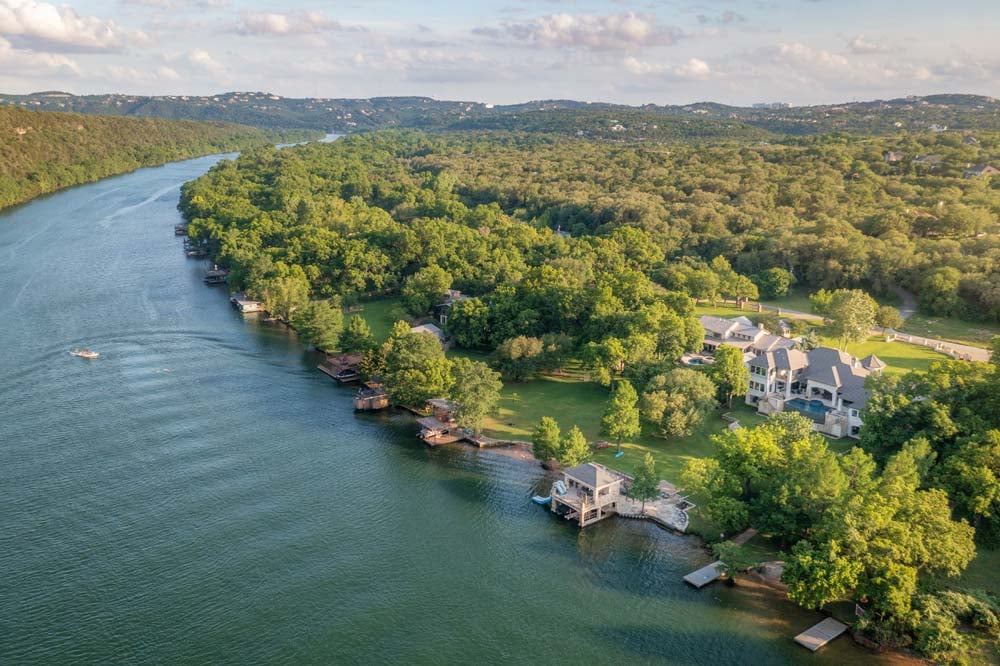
200 494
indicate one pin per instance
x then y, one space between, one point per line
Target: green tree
774 283
285 294
468 323
357 336
888 317
415 367
729 373
519 358
425 288
646 484
546 439
320 323
573 448
476 390
849 314
678 401
733 558
621 417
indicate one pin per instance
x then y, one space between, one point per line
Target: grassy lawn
381 315
796 299
982 573
726 311
977 334
900 356
572 401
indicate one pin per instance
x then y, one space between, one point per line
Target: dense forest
829 211
42 152
567 117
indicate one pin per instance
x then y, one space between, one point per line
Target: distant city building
772 106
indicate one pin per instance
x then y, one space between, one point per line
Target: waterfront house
741 333
429 329
593 492
451 296
894 156
825 385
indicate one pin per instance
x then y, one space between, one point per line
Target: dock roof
591 475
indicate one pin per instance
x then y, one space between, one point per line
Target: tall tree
621 417
888 317
425 288
849 313
415 367
573 448
320 322
476 390
646 484
729 373
357 336
546 439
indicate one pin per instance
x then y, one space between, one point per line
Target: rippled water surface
200 494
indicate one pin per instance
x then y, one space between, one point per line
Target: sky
506 51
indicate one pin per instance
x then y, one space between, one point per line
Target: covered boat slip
820 634
434 431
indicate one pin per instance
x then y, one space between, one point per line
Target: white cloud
43 26
30 63
693 69
862 46
203 60
586 31
275 24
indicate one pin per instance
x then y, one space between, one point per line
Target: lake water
200 494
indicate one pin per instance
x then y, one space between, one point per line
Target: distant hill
708 120
42 151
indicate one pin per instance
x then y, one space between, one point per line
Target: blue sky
502 51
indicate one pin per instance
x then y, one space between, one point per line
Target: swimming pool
814 408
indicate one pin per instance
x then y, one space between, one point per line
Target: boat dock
244 305
820 634
344 367
704 576
215 275
434 431
371 398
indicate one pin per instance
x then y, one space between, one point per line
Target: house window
854 412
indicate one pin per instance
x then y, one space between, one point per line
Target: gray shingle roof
590 475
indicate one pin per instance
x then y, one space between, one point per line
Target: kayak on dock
538 499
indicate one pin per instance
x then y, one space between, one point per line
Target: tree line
42 152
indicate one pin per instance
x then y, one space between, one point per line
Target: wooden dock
704 576
820 634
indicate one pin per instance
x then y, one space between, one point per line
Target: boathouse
245 305
371 398
342 367
216 275
593 492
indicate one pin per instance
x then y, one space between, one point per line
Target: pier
820 634
705 575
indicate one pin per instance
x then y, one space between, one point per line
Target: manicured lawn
572 401
381 315
981 573
724 311
900 356
796 299
977 334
